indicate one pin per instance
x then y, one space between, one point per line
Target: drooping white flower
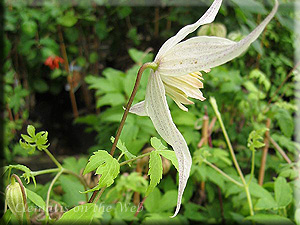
178 75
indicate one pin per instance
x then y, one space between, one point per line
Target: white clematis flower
178 76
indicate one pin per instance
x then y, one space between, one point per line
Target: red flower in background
52 62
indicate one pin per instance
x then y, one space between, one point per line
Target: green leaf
27 138
297 216
269 219
79 214
125 211
283 192
285 122
71 163
30 131
156 143
68 20
29 28
5 219
152 202
170 155
254 139
122 147
262 78
168 201
139 56
36 199
112 99
155 171
27 172
72 188
266 200
105 165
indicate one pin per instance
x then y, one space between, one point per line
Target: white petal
202 53
208 17
158 110
138 109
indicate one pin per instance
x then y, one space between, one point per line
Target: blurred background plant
70 69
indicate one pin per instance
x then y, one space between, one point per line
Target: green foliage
79 214
36 199
255 138
105 165
34 141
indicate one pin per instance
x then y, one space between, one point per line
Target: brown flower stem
280 150
69 77
24 197
139 208
134 91
125 114
264 154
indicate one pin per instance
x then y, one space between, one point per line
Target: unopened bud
14 199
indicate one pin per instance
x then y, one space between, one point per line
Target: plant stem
235 162
133 159
133 93
48 195
69 77
24 197
264 154
224 174
252 167
40 172
120 156
151 65
53 158
56 170
280 150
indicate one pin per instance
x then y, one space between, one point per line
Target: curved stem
40 172
53 158
224 174
133 159
151 65
235 162
82 181
133 93
252 167
48 195
24 197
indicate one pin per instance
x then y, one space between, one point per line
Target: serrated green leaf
27 172
156 143
36 199
155 171
283 192
79 215
170 155
122 147
105 165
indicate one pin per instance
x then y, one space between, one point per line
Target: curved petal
138 109
202 53
158 110
208 17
